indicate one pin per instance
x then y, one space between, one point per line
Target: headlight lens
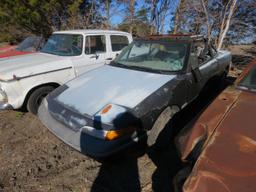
109 113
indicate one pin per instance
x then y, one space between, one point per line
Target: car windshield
30 44
153 56
64 45
249 81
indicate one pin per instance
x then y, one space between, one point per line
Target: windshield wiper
119 64
140 68
148 69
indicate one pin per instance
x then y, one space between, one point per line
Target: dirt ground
32 159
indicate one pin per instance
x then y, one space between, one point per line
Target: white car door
95 53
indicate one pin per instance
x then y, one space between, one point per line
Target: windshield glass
249 81
30 44
158 56
64 45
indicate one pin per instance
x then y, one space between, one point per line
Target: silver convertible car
112 107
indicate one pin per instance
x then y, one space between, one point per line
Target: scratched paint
90 92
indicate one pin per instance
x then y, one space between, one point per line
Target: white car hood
30 64
90 92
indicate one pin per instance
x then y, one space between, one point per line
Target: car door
95 53
193 75
203 66
208 64
117 43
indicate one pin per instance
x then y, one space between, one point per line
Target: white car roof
92 31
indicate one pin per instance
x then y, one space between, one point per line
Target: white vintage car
26 80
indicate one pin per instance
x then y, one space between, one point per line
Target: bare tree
212 18
178 13
107 9
162 14
131 10
159 11
209 26
153 16
229 11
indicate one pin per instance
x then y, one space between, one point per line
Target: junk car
110 108
221 143
25 80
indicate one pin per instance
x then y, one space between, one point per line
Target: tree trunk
226 23
153 16
207 20
177 16
107 7
132 11
163 14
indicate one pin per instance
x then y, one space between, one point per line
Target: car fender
160 123
22 87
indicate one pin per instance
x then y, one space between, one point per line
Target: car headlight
109 113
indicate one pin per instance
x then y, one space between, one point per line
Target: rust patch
246 144
178 37
228 159
206 123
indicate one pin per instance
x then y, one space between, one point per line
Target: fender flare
160 123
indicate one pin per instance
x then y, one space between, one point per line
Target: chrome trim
5 106
100 134
15 78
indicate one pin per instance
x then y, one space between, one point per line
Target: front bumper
5 106
80 140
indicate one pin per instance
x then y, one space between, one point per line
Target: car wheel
37 97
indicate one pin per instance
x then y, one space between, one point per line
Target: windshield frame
138 68
69 34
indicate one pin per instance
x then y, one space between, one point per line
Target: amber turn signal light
106 109
114 134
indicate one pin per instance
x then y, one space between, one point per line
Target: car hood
31 64
90 92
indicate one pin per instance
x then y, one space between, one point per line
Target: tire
36 98
161 127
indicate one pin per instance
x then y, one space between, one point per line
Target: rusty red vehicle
29 45
7 47
221 144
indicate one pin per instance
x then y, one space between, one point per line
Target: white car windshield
159 56
64 45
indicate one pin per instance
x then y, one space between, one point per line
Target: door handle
109 59
96 56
